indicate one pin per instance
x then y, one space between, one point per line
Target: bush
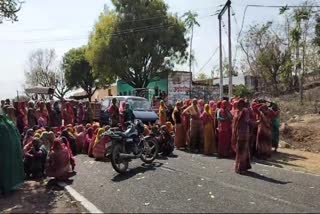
242 91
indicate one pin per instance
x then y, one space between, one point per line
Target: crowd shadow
280 159
137 170
163 157
34 196
265 178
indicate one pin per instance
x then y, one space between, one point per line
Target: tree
41 68
316 40
61 87
202 76
9 10
134 45
44 70
191 21
242 91
79 73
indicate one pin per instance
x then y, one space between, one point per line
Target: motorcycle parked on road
129 145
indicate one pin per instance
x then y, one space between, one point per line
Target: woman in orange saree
179 139
99 146
162 113
207 119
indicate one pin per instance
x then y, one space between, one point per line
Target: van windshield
139 104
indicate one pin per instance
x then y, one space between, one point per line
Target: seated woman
95 131
71 140
99 146
34 159
80 138
88 139
28 137
60 164
47 139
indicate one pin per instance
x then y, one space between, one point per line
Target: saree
240 139
225 133
209 136
264 137
99 147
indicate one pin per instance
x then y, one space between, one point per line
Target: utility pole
225 7
230 50
221 71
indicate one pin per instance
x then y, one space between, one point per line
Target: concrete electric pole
225 7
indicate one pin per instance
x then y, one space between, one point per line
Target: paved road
194 183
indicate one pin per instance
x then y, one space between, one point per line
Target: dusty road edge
91 208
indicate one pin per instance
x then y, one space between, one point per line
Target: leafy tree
79 73
316 40
202 76
242 91
9 10
191 21
44 70
136 42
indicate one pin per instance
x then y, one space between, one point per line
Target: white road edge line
78 197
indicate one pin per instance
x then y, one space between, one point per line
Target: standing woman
264 135
162 113
225 131
275 127
179 139
186 122
241 137
208 121
213 112
195 126
32 120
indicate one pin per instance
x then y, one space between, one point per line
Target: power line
210 58
268 6
127 21
117 33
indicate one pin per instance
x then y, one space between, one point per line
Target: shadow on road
133 172
265 178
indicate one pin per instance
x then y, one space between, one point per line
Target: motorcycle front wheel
118 164
150 151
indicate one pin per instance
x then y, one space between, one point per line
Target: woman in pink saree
59 162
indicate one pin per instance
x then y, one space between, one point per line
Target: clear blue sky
42 22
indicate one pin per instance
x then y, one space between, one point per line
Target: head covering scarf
162 106
98 138
207 108
122 108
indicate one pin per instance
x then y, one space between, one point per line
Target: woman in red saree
60 164
88 139
196 132
240 137
209 141
179 139
264 135
68 114
225 131
122 111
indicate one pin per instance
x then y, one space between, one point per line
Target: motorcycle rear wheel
150 151
116 161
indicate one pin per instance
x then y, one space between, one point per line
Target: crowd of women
226 129
49 146
52 134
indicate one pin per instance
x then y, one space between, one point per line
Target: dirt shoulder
39 197
296 160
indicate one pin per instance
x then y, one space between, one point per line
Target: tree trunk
190 54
